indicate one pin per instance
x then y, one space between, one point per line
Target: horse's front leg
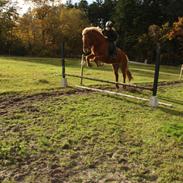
115 67
97 59
88 58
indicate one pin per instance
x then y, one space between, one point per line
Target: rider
111 35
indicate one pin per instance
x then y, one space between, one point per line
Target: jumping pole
82 68
64 80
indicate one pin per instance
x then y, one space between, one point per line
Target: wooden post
64 80
181 71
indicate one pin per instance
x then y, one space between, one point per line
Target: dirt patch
51 138
9 101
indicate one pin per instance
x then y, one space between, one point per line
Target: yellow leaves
159 33
72 21
179 23
177 29
43 28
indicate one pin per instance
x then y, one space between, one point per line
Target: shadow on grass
171 111
145 74
172 100
144 104
48 61
168 110
75 63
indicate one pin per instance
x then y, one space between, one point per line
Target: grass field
51 134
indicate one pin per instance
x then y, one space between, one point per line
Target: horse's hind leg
88 58
123 70
116 68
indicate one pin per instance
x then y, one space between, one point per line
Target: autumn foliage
177 29
40 31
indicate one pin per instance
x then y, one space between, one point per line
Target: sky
23 7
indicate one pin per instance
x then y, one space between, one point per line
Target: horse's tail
129 74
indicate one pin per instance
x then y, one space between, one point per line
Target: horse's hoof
117 87
89 65
100 65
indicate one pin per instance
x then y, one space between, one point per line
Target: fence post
64 80
154 99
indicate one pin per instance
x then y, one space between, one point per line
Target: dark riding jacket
110 34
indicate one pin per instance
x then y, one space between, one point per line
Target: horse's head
90 36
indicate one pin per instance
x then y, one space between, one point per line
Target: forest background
40 31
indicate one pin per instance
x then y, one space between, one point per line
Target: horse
95 47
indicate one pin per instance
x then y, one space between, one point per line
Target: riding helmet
109 24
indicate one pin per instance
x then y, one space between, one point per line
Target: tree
125 21
95 14
8 17
171 9
176 35
72 23
108 9
177 29
83 5
2 4
44 28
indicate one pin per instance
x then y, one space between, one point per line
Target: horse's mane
88 29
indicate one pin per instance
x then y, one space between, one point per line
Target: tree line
40 31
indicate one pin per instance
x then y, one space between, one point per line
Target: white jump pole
119 94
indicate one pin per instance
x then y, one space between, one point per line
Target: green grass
19 74
51 134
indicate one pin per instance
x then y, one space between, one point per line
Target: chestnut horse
97 45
